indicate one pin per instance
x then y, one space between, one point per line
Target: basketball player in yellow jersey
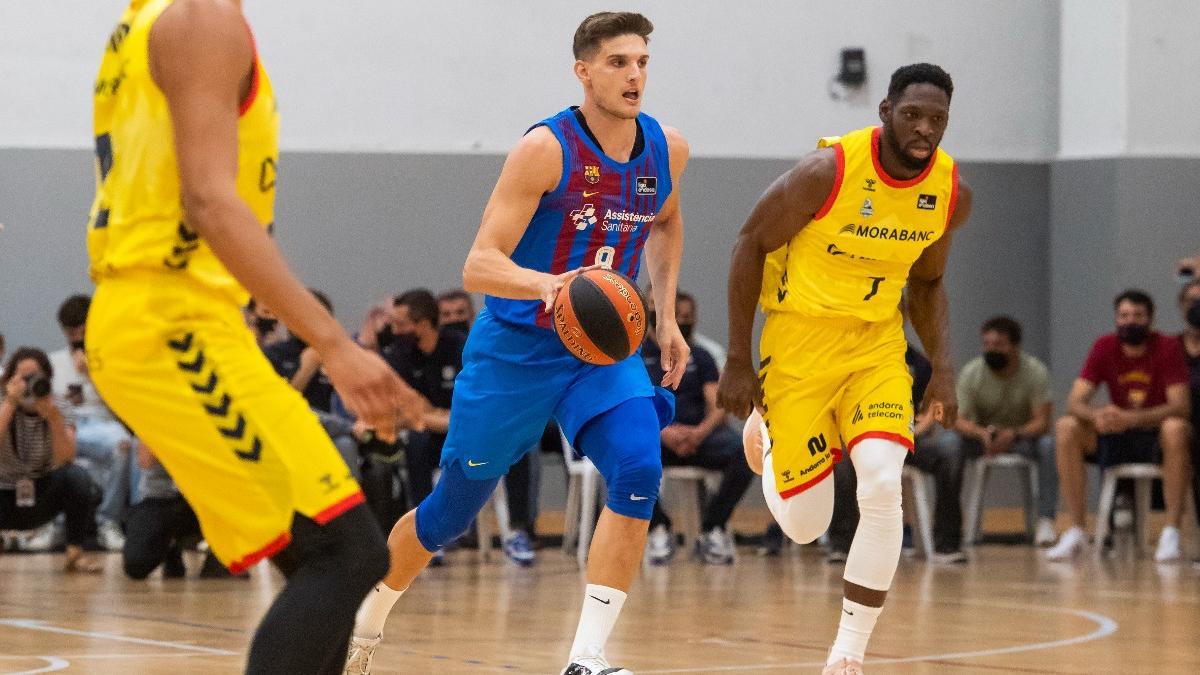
830 246
186 140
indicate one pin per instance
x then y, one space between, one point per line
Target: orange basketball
600 316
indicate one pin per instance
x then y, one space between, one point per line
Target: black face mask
385 338
1193 315
264 325
685 329
995 360
460 326
652 317
1133 334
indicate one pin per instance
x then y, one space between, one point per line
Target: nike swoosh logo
847 611
471 462
607 602
635 498
591 194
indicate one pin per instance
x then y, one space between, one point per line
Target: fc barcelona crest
591 173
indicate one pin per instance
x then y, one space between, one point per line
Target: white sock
853 632
601 607
374 610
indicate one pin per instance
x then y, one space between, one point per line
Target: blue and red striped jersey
600 212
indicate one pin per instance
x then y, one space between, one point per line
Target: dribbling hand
551 284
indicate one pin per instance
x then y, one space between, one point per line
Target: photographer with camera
37 445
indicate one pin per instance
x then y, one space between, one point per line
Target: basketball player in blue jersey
592 186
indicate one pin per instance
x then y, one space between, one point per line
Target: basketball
600 316
755 441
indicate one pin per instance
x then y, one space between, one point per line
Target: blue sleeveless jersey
600 212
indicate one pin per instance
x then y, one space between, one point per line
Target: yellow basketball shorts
178 365
829 383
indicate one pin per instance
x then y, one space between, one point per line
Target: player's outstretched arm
783 210
930 313
664 249
201 57
533 168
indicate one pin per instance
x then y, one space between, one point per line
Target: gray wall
361 226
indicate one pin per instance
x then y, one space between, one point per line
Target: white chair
1143 475
918 482
584 500
981 469
697 483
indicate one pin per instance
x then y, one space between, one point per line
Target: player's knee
633 490
448 511
879 465
805 516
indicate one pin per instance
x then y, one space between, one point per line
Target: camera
37 386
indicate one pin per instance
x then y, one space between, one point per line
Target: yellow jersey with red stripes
137 221
853 258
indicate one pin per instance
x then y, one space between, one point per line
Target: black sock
329 568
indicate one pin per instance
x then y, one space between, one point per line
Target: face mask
460 326
264 325
1193 315
652 317
685 329
1133 334
385 338
995 360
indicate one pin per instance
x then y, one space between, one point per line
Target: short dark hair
684 296
919 73
1137 297
20 355
604 25
421 304
74 310
323 299
1003 324
1194 283
456 294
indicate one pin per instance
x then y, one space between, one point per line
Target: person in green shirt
1004 406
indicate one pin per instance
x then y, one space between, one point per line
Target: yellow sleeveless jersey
137 221
853 258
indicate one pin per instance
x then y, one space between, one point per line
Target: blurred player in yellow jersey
828 251
186 140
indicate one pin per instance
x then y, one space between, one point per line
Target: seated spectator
1147 420
700 437
943 463
1004 406
301 366
1189 305
456 310
161 525
375 332
38 480
103 445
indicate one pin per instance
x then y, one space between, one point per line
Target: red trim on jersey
953 195
339 508
253 93
840 154
885 435
896 182
246 562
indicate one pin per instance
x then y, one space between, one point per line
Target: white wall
1093 79
739 79
1164 94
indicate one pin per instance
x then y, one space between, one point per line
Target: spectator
38 480
103 444
375 332
700 437
456 310
1146 421
1189 305
1004 406
266 327
301 366
931 456
161 525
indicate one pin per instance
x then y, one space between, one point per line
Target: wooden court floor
1005 611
